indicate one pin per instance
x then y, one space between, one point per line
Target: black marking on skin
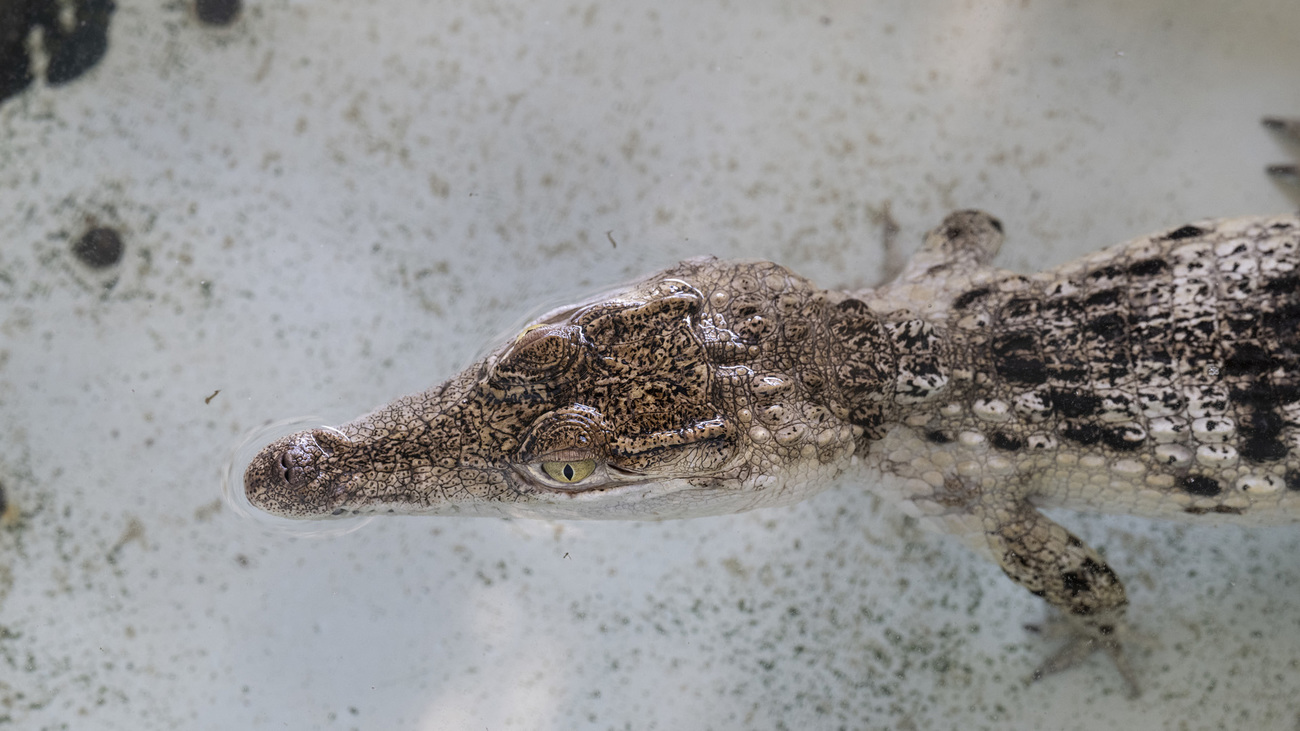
1014 358
1016 341
1118 439
1240 325
1109 272
1201 485
1147 268
968 298
1019 308
1069 373
1107 326
1221 509
1248 359
1062 307
1261 443
1085 434
1075 582
1186 232
1005 441
1293 480
1073 404
1022 370
1264 396
1284 318
938 437
1102 298
1283 285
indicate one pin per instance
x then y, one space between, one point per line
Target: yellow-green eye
569 472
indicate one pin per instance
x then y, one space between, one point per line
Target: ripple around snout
232 483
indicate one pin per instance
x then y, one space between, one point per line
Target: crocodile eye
569 472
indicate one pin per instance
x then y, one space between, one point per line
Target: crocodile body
1159 378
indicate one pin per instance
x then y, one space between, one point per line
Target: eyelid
573 454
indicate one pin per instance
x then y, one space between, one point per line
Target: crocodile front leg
1053 563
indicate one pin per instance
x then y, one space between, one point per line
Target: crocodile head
696 391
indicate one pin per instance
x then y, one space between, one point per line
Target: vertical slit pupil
568 471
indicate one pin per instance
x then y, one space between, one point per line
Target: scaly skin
1158 378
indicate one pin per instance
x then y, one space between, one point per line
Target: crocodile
1157 378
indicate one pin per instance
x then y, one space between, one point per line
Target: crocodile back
1165 371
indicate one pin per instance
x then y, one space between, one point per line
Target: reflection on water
232 483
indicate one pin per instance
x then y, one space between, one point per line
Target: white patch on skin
1216 455
1041 442
992 410
1260 484
1165 430
1174 455
1213 429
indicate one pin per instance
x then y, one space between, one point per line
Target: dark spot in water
1186 232
70 51
1201 486
99 248
218 12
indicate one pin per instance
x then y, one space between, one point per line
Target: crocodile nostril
286 465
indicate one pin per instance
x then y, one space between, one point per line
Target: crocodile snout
285 477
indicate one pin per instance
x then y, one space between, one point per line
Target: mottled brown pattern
1158 378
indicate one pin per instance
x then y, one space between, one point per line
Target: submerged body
1157 378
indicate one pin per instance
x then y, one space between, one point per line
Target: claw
1287 126
1290 127
1080 643
1287 173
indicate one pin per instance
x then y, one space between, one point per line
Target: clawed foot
1081 640
1290 128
